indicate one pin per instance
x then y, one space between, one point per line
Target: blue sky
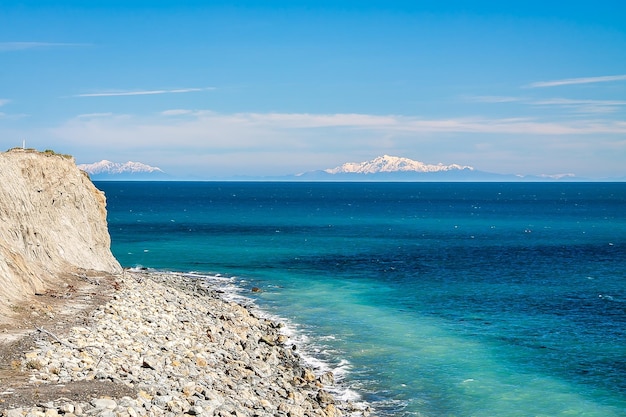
212 89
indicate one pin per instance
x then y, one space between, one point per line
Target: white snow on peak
108 167
388 163
557 176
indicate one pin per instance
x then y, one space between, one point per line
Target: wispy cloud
144 92
94 115
250 127
4 101
14 116
18 46
408 124
579 106
583 106
176 112
494 99
584 80
568 101
513 126
201 138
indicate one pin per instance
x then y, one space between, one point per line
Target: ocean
425 299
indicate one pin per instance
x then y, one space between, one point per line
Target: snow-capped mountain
393 168
557 176
130 169
388 163
108 167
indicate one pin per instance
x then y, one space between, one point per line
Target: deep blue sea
427 299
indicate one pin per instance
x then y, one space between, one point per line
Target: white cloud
176 112
14 116
402 123
583 106
584 80
578 105
306 120
494 99
4 101
144 92
568 101
211 130
408 124
93 115
279 143
18 46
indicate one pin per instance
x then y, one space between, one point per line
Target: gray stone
48 405
16 412
327 378
212 364
104 403
195 410
162 400
324 397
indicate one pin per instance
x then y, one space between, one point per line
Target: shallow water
428 298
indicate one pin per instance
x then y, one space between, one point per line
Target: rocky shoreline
170 345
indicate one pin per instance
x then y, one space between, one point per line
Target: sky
212 89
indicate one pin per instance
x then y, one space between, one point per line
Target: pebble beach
177 347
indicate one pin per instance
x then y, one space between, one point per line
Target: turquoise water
429 299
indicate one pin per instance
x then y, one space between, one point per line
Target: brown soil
69 303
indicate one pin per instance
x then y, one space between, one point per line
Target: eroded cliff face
52 222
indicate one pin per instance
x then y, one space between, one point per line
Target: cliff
52 222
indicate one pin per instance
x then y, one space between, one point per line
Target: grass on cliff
48 152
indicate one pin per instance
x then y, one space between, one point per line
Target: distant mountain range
388 163
107 170
382 168
393 168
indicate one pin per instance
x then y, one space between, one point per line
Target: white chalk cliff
52 221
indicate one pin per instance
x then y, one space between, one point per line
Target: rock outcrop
52 222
